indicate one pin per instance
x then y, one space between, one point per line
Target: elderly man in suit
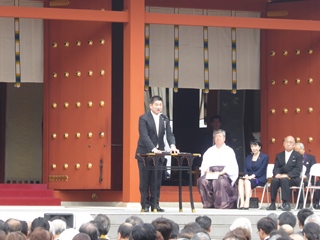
308 161
286 173
152 128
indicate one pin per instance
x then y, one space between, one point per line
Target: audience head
241 223
3 235
313 218
14 225
255 142
296 236
287 218
24 228
16 236
39 233
265 226
59 226
311 231
201 236
238 234
134 220
104 225
4 227
302 216
40 222
68 234
90 229
164 226
274 217
124 230
189 230
279 234
145 231
81 236
204 222
287 228
175 230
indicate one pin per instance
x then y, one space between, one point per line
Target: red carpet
27 195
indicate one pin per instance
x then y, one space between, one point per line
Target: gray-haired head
301 145
200 236
313 218
223 132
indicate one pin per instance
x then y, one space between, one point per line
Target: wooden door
78 102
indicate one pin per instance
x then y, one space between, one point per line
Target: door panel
79 81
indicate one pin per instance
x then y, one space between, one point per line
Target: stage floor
118 212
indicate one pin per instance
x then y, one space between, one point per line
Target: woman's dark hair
255 142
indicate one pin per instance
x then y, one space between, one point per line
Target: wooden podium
180 158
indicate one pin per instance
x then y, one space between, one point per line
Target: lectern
180 158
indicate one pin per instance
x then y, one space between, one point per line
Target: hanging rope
206 59
146 57
17 49
234 59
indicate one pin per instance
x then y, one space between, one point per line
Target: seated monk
219 172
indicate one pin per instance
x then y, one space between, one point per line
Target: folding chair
266 186
300 187
314 172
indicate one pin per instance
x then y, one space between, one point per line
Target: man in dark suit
286 173
152 128
308 161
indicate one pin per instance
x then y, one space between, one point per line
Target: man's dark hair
175 230
155 98
4 227
14 225
287 218
90 229
189 230
125 230
266 224
279 233
312 231
24 228
215 117
204 222
134 220
40 222
164 226
104 225
145 231
303 214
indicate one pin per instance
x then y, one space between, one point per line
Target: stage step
27 195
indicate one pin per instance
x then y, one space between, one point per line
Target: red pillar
133 95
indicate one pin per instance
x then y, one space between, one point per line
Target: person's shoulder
264 155
310 155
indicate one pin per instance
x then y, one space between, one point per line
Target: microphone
164 118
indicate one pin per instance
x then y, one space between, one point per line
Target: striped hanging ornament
206 59
234 59
176 58
146 57
17 49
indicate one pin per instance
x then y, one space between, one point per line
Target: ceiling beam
232 22
64 14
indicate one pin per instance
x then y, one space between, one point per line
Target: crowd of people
286 226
